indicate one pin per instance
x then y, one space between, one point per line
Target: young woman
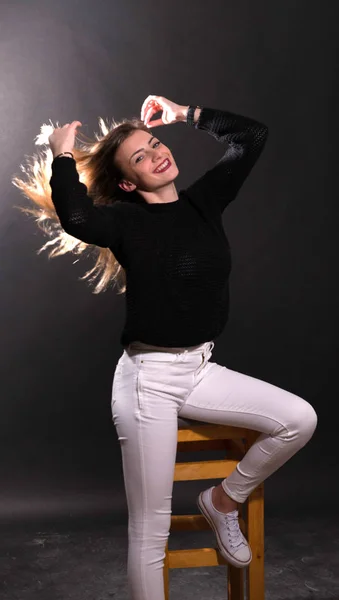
171 251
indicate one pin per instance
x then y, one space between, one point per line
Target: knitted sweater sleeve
78 215
245 140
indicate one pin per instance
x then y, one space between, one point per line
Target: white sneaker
231 543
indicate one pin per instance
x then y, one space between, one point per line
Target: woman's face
146 163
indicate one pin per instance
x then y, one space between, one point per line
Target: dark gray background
274 61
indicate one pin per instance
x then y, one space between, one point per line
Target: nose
156 155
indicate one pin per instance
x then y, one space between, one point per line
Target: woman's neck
165 194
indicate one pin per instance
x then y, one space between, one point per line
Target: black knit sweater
176 255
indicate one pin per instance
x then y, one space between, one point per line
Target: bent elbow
264 132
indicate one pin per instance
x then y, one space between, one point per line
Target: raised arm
78 215
245 140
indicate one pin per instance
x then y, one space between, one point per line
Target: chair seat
187 423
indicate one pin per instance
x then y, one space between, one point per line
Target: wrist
182 113
197 114
58 151
193 114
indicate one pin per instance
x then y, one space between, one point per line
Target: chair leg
255 534
235 584
166 573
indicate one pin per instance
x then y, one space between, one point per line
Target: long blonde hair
96 168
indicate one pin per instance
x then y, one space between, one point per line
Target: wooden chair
194 436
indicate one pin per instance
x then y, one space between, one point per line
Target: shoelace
234 531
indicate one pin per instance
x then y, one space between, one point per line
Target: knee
305 421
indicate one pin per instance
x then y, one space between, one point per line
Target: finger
150 101
144 105
74 125
150 113
64 126
155 123
148 110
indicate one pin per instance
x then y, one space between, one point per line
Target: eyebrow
140 149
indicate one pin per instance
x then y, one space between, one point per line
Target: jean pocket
116 383
154 378
160 358
140 389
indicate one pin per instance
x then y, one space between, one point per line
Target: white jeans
151 387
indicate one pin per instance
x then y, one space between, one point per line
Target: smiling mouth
163 166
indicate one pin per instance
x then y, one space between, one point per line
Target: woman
176 260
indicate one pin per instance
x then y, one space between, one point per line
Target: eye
156 144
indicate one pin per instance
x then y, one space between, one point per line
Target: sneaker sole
223 551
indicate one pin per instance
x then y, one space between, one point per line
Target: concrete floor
78 558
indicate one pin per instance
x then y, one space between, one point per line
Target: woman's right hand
63 138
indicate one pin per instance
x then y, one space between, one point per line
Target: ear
126 185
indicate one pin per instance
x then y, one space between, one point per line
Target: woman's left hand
171 112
